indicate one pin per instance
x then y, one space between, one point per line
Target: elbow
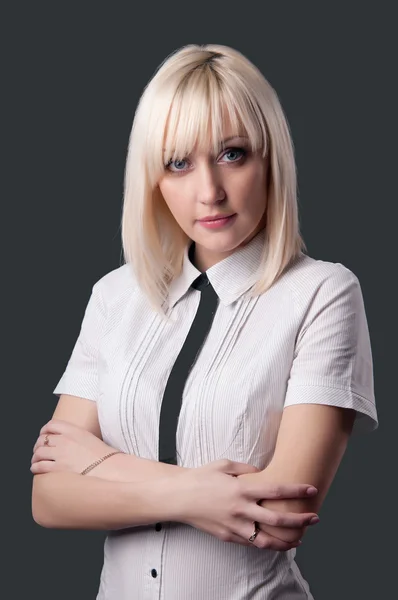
41 512
40 517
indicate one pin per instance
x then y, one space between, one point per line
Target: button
158 526
154 573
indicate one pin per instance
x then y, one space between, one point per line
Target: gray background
71 80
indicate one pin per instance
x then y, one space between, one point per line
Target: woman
220 371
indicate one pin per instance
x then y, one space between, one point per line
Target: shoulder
116 285
309 277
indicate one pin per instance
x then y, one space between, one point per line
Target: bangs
202 106
198 97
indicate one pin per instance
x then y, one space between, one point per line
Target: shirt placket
153 563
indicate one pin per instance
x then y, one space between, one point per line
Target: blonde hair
185 100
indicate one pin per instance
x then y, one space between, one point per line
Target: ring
255 532
46 440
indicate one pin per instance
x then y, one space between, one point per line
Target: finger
280 519
43 466
266 490
59 426
43 453
41 441
56 426
231 467
236 539
286 534
262 540
265 540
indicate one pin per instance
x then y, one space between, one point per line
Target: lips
216 218
217 223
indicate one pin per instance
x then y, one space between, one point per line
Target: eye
238 154
235 151
177 164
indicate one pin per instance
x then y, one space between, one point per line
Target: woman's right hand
214 499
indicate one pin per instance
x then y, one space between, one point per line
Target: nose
208 185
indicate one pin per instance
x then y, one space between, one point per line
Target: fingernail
314 521
311 491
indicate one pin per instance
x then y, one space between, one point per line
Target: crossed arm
312 439
311 442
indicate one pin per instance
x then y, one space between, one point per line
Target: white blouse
305 340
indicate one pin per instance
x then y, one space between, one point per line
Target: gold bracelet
100 460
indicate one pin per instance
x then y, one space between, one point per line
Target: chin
221 242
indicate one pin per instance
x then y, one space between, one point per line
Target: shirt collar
230 278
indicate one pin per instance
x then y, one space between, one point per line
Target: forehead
203 135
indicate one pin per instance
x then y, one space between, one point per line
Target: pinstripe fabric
306 340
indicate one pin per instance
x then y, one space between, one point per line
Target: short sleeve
80 377
332 361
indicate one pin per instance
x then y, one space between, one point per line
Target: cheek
258 188
168 193
249 194
174 199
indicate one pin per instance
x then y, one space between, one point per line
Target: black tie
194 341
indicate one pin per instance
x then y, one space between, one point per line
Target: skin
231 182
199 185
235 181
136 491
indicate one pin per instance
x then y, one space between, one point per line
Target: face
231 184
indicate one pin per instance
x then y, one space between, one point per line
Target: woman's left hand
287 534
69 448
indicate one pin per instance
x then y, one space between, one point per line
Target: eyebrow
228 139
233 137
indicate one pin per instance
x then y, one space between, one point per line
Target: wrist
183 492
98 461
166 498
113 468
